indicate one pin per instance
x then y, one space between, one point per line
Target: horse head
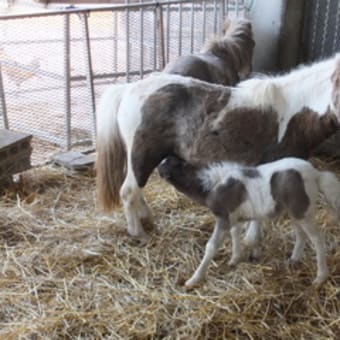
235 44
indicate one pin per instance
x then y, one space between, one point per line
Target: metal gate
55 64
322 29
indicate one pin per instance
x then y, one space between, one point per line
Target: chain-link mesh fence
54 66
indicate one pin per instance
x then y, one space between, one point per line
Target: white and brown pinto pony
224 59
259 121
236 193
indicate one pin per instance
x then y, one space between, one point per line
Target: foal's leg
214 243
300 242
236 255
252 240
317 238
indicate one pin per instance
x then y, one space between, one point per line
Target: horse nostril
214 132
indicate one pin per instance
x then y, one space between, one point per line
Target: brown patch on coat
227 197
305 131
170 120
288 190
242 136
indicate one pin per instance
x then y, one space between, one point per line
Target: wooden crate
15 153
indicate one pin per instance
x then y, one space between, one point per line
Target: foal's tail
330 187
111 152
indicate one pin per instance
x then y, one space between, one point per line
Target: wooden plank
74 160
9 138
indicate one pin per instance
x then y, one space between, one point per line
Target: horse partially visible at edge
261 120
224 59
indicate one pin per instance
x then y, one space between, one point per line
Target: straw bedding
68 272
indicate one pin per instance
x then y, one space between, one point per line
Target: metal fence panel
54 66
322 29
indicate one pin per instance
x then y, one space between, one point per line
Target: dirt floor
68 272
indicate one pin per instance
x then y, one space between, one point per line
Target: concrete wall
267 18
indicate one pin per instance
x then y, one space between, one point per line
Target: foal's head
183 176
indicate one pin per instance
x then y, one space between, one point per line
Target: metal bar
127 31
155 37
180 26
168 20
237 9
192 28
160 29
223 10
91 9
336 28
204 27
141 70
3 102
227 7
89 71
314 28
325 28
67 74
115 42
215 17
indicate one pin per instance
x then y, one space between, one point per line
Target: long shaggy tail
330 187
111 152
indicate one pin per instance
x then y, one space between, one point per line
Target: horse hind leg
317 238
252 240
135 207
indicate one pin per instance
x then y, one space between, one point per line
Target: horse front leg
214 243
299 245
236 255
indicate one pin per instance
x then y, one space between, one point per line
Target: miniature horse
259 121
236 194
223 59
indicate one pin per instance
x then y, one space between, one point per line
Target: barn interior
68 270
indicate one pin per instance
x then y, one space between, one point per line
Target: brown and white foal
235 193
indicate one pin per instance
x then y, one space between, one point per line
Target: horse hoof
293 263
192 283
254 255
320 280
234 262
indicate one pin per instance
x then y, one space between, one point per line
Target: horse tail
329 185
111 152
